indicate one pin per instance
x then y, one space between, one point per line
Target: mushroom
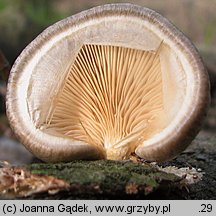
105 83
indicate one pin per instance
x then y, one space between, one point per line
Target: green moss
109 176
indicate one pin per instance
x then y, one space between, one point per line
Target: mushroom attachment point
105 83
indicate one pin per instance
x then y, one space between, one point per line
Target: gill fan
112 97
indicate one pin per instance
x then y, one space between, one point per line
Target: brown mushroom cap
107 82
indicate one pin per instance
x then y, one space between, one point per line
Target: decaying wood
17 182
93 179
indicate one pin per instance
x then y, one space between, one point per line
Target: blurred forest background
22 20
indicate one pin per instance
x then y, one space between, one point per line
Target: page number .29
206 208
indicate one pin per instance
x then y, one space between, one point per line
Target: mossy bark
107 179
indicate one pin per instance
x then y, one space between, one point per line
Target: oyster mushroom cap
107 82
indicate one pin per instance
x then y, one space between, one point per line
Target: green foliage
23 20
38 13
41 13
4 4
210 33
